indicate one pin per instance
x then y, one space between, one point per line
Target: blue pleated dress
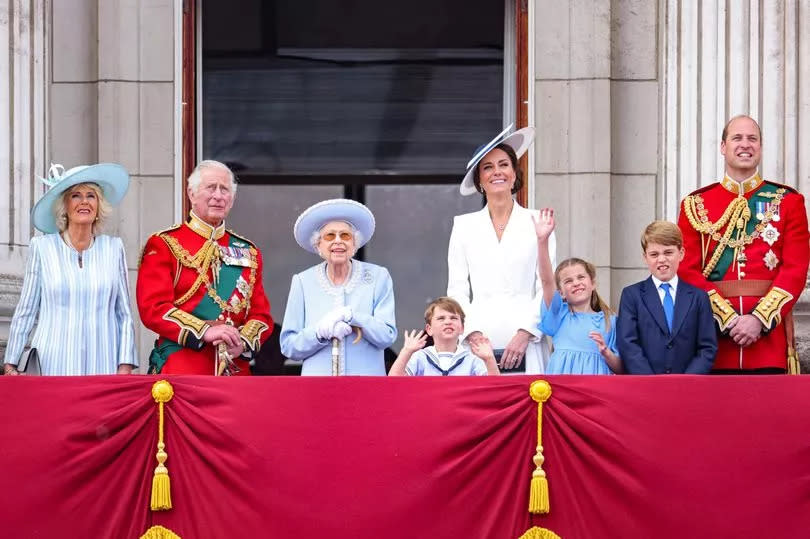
575 352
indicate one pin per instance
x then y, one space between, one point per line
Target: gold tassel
159 532
540 391
793 364
162 392
539 533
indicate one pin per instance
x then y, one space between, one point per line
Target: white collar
672 282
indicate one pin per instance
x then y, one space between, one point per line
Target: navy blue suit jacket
645 343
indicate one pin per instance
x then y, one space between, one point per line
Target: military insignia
367 277
770 260
242 286
239 244
236 256
770 234
235 302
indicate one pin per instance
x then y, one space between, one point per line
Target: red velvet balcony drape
631 457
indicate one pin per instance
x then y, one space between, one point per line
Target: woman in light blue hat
340 313
75 285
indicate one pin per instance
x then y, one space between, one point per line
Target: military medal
770 234
770 260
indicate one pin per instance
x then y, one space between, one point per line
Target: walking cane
335 356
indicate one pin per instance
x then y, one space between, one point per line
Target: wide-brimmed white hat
336 209
519 141
112 178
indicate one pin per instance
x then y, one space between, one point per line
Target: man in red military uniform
200 286
748 246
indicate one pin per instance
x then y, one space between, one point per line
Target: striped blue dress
84 320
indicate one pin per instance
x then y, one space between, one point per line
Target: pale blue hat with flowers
113 179
519 141
336 209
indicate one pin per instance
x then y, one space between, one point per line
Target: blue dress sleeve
28 307
123 314
379 326
551 317
611 336
298 341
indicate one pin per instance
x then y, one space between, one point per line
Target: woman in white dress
75 285
492 258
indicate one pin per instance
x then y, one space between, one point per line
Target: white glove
341 329
326 324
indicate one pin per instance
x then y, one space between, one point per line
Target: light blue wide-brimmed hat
113 179
519 141
336 209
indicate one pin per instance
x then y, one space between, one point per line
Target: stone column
22 140
572 91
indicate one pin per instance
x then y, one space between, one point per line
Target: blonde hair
597 303
662 233
103 212
448 304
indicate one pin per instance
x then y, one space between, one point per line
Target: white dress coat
497 282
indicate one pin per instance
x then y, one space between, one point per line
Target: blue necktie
669 304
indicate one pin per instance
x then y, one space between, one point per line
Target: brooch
770 234
770 260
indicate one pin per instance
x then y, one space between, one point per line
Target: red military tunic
747 244
190 277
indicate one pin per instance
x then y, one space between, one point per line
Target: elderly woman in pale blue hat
75 285
340 313
492 258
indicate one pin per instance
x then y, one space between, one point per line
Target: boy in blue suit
665 325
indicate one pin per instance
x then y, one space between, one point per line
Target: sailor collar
204 229
744 187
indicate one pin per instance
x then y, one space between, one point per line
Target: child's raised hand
414 341
599 340
482 348
544 224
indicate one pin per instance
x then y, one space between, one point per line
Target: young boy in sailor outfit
444 321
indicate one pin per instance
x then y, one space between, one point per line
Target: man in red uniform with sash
200 286
747 245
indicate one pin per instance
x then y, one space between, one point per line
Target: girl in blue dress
581 325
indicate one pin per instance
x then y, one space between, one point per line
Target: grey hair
315 238
102 213
195 178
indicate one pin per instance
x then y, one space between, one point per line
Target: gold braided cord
735 218
201 263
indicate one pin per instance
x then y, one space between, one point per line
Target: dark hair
513 158
725 129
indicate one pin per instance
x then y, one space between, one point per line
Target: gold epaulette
768 310
722 310
158 234
784 186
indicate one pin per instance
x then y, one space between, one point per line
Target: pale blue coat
370 294
84 323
